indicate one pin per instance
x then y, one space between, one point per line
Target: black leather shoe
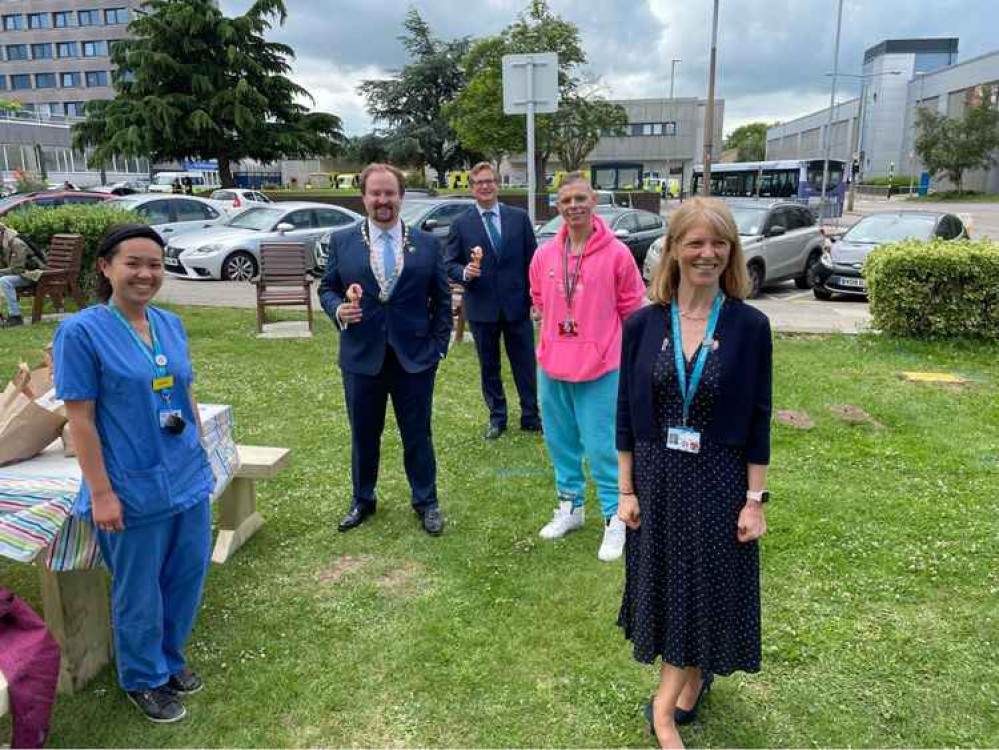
355 517
433 522
532 427
13 321
493 432
683 715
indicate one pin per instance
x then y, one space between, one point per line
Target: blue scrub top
154 472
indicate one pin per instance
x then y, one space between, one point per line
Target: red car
50 199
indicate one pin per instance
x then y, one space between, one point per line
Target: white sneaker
566 519
612 546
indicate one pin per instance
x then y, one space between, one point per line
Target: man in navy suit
489 250
386 289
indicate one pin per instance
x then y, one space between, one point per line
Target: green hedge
39 224
935 289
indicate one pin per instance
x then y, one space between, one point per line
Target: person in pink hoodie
584 283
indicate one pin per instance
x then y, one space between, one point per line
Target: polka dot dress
692 591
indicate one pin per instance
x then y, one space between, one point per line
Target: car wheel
756 278
240 266
807 279
823 294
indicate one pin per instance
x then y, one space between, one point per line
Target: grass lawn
881 573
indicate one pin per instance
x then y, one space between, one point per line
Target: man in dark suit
489 250
386 290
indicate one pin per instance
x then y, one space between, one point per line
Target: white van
162 182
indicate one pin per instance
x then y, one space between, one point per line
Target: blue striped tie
388 256
494 233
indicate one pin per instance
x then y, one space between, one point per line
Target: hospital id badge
169 417
683 439
161 384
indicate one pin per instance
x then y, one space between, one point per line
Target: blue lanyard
153 354
688 391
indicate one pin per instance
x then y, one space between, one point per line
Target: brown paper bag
26 428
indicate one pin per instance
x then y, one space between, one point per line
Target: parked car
231 251
841 268
636 228
171 215
50 199
126 187
163 182
236 199
780 240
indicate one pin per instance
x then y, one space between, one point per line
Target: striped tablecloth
36 498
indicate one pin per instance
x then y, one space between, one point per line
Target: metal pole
672 75
531 176
709 116
832 107
915 117
857 145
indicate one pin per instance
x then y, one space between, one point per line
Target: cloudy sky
772 54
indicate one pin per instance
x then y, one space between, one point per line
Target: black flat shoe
355 517
532 427
685 716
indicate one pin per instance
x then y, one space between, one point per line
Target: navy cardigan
741 416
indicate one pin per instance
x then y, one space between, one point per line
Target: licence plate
851 282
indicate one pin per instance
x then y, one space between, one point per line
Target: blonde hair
718 219
573 177
482 166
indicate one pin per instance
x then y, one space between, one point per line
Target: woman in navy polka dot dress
693 438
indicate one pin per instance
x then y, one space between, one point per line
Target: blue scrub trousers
579 419
157 577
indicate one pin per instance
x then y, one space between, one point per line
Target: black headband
118 234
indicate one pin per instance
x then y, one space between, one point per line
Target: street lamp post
832 109
915 117
709 116
672 75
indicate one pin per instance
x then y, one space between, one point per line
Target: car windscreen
163 179
412 213
125 203
258 219
749 220
876 230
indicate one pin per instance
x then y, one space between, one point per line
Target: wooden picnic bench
76 605
61 277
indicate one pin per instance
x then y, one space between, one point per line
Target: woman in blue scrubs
124 371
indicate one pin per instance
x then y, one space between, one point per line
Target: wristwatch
760 497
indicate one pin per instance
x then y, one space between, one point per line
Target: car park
231 250
780 241
841 269
171 215
232 200
635 227
50 199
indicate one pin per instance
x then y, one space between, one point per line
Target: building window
89 17
669 128
45 80
115 15
38 20
94 49
20 82
97 78
73 109
3 83
41 51
66 49
17 51
13 23
62 20
70 80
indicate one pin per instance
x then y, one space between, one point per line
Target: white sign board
530 78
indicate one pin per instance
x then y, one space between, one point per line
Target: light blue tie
388 257
494 232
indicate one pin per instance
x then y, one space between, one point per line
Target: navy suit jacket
503 285
741 415
415 321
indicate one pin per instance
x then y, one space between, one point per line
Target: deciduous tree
750 140
952 146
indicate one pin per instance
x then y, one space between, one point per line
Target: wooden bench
283 280
458 311
238 516
61 277
76 602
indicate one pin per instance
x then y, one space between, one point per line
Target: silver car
779 240
171 215
231 251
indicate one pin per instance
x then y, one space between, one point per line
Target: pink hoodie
609 289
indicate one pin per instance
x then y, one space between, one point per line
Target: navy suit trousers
412 400
518 337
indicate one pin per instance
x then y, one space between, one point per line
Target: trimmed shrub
935 289
39 224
